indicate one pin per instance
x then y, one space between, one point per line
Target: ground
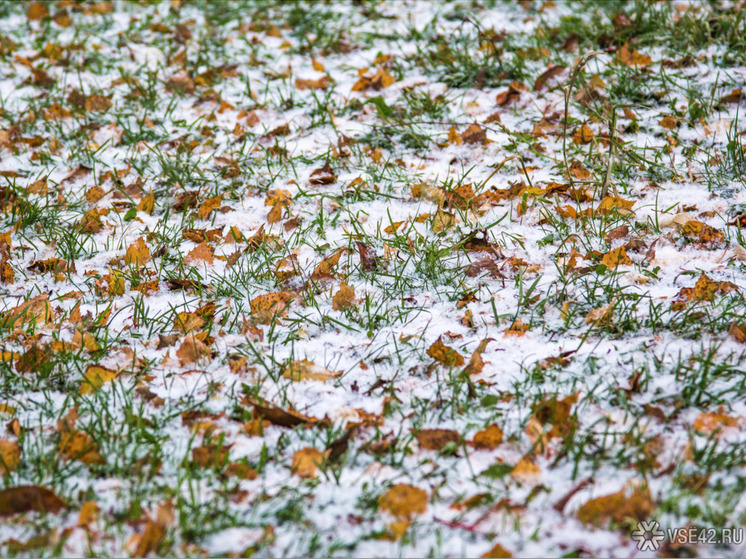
369 278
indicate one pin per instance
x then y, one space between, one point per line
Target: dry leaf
208 206
78 445
191 350
36 310
633 58
583 135
26 498
445 355
474 134
616 257
95 377
737 332
200 253
489 438
629 503
306 461
283 418
275 303
708 422
526 471
138 253
10 456
498 552
88 513
210 456
705 289
147 204
403 501
475 365
435 439
344 298
327 265
37 11
307 370
443 220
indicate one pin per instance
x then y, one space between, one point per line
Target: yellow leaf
306 461
583 135
147 204
272 302
318 66
116 282
443 221
453 136
403 501
10 456
526 470
708 422
37 309
95 377
77 445
344 298
612 202
36 11
616 257
488 438
327 265
138 253
88 513
307 370
208 206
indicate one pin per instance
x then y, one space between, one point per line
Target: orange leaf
708 422
488 438
403 501
616 257
37 11
583 135
327 265
445 355
344 298
628 503
306 461
498 552
208 206
200 253
137 253
191 350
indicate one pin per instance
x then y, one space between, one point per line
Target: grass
499 242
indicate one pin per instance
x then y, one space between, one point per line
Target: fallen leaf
200 253
435 439
616 257
78 445
26 498
583 135
147 204
281 417
275 303
138 253
91 222
321 83
326 267
36 11
191 350
344 298
306 461
475 365
474 134
36 310
548 75
10 456
403 501
95 377
633 503
207 207
498 552
709 422
633 58
210 456
737 332
489 438
88 513
526 471
668 123
445 355
705 289
307 370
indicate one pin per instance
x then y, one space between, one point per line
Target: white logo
648 536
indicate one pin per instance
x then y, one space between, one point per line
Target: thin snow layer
385 369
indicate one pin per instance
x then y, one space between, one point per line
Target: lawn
372 278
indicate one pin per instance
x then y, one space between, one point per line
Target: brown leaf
275 303
37 11
403 501
306 461
207 207
668 123
489 438
97 103
321 83
548 75
475 365
344 298
200 253
578 170
474 134
26 498
191 350
326 267
369 261
147 204
304 369
91 221
737 332
583 135
283 418
435 439
629 503
702 234
138 253
705 289
210 456
633 58
78 445
323 176
445 355
498 552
